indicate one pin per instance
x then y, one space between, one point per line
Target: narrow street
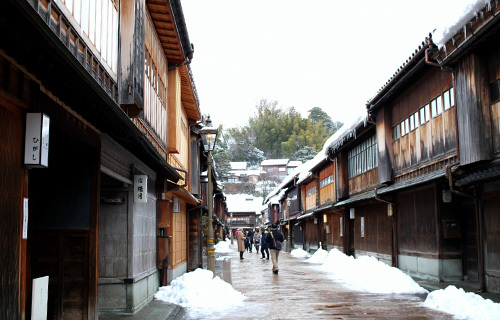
299 291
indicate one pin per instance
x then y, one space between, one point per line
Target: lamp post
232 234
209 137
289 236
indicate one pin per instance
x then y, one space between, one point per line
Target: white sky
204 296
330 54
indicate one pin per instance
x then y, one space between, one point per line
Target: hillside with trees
274 132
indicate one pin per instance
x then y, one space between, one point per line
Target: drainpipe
432 47
395 242
478 210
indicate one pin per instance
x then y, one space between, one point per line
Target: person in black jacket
274 239
264 247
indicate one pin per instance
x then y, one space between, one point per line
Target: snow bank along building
414 182
101 154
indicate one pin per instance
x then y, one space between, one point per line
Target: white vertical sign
141 188
25 218
36 142
39 298
176 206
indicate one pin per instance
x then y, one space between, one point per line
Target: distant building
279 168
243 210
240 173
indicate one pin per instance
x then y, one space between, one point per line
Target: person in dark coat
250 240
264 247
274 236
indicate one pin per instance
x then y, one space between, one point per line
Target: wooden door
62 255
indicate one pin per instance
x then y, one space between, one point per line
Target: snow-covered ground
202 295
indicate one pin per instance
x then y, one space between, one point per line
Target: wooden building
472 189
109 211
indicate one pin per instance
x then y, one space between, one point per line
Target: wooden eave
189 96
164 22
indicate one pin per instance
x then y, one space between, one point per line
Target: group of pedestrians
268 241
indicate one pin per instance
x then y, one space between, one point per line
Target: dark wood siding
311 234
194 170
363 181
384 144
377 229
427 141
417 222
333 237
492 238
11 189
494 75
474 120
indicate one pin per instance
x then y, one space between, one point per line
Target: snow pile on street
299 253
463 305
365 273
223 246
200 293
318 257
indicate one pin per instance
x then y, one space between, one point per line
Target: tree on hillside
312 136
272 126
221 156
317 114
304 154
241 146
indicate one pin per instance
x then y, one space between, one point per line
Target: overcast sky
330 54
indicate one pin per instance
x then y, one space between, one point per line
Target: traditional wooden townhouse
417 145
310 222
469 206
106 85
220 214
365 228
158 93
416 139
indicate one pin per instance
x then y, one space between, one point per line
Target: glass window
424 114
396 133
436 109
446 100
363 157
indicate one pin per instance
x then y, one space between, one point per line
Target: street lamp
209 137
289 242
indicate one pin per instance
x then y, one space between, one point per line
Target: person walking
264 247
250 240
256 240
240 237
274 240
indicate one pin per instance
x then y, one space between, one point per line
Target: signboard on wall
39 298
141 188
176 205
36 141
25 218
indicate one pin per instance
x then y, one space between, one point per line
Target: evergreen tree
221 156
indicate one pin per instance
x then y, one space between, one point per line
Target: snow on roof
345 132
238 165
275 162
243 203
461 12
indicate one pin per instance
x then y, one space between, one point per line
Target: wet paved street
299 291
